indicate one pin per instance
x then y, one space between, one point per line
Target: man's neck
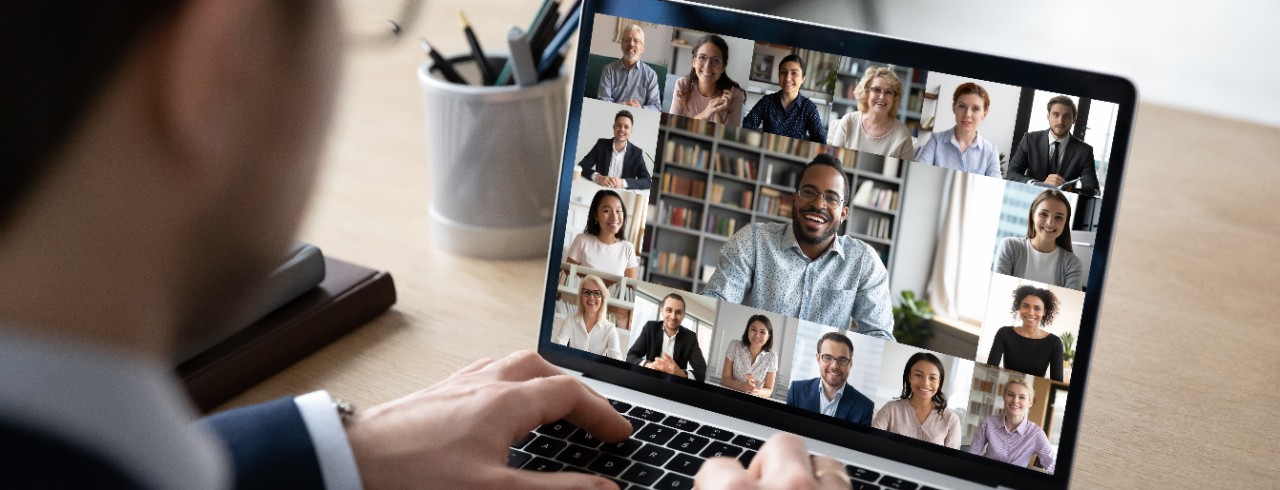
1054 137
630 64
830 391
671 332
619 145
812 250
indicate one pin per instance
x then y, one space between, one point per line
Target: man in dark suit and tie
669 347
1053 156
830 394
616 162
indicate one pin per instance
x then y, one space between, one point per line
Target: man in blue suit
616 162
830 394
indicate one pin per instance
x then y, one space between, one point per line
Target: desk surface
1180 389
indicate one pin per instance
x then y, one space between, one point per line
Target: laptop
895 250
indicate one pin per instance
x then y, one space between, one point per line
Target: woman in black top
1029 348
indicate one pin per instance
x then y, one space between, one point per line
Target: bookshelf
850 71
714 180
622 294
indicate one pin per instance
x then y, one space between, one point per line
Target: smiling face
610 216
970 111
1061 118
790 77
621 129
925 380
1049 218
834 375
672 314
758 333
632 45
816 221
880 97
1031 311
591 297
1017 400
708 62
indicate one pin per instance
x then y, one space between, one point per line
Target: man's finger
782 454
723 472
542 400
521 366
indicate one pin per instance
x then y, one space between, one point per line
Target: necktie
1053 157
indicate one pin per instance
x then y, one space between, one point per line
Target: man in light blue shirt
629 81
803 269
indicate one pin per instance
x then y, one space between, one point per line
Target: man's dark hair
793 58
624 113
836 337
830 161
674 296
1064 100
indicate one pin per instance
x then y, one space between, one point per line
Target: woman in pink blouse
750 365
1010 437
706 92
921 411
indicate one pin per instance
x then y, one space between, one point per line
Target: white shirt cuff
337 462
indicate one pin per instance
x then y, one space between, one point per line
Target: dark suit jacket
853 405
1031 161
269 446
687 353
633 169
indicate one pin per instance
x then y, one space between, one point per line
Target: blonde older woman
875 127
588 329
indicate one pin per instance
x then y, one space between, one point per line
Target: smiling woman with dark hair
921 411
1029 348
1045 254
707 93
602 245
750 365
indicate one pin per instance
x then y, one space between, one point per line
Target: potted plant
1068 354
912 319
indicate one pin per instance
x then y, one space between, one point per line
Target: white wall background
657 40
1000 302
1001 116
1212 58
731 321
597 122
864 374
958 382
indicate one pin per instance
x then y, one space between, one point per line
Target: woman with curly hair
1029 348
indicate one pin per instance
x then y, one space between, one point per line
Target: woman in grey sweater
1045 254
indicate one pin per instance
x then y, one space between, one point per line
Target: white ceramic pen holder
495 154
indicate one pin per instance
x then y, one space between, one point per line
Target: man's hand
667 365
632 103
1055 179
783 462
456 434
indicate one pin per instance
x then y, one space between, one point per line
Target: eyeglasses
831 198
883 91
592 293
703 59
840 361
383 22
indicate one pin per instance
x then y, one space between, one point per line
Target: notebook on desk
844 236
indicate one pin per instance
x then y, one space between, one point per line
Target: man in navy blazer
1054 156
830 394
616 162
158 156
669 347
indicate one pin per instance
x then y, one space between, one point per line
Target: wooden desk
1180 391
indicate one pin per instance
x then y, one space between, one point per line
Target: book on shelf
686 155
690 124
680 216
685 186
869 195
891 166
722 226
740 167
674 264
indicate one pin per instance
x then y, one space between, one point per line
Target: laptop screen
893 247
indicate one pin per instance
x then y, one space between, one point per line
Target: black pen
477 54
445 67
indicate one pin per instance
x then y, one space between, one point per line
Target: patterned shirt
994 440
762 266
793 122
766 362
620 84
942 150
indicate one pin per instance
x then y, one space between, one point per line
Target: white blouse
602 340
766 362
613 258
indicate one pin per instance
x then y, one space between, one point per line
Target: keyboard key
624 448
684 463
656 434
746 458
636 423
862 473
748 442
577 455
559 429
688 443
543 464
650 415
715 433
721 449
621 407
608 465
581 437
517 458
546 446
674 482
654 455
524 440
642 474
897 483
682 424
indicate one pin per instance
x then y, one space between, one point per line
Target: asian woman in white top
1045 254
750 365
602 245
588 329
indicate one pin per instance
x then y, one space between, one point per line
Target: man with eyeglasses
629 81
804 269
830 393
668 346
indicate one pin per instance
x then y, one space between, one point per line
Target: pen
445 67
477 54
554 48
505 77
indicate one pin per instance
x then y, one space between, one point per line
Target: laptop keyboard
664 452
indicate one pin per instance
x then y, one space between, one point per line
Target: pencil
505 76
477 54
445 67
